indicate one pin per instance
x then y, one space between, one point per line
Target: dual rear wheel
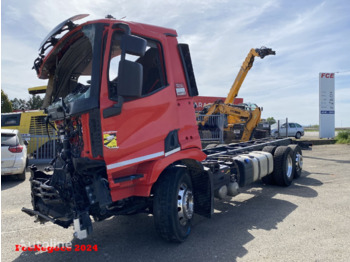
288 163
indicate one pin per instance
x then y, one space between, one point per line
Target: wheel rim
299 161
184 204
289 164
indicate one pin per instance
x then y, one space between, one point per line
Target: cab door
138 125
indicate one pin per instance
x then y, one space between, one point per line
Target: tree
271 120
19 104
6 106
35 102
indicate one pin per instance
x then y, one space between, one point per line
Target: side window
152 64
298 125
292 125
9 140
283 126
20 139
10 120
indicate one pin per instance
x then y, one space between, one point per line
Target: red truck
120 95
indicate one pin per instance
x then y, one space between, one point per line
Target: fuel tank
253 166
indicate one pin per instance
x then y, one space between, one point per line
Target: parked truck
121 97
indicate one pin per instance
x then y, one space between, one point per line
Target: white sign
327 111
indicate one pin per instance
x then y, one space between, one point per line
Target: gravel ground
308 221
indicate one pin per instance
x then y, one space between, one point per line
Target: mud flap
203 193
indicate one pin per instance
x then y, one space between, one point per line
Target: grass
343 137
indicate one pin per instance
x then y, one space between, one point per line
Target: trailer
120 96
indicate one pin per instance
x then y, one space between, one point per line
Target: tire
298 156
269 178
173 206
22 176
298 135
283 166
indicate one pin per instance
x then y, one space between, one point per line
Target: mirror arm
114 110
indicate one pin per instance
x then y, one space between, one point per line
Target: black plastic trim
188 69
171 142
95 133
127 178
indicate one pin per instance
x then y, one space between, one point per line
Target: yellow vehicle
241 120
32 125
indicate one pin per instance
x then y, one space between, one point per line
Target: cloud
309 37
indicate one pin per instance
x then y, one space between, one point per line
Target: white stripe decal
135 160
172 151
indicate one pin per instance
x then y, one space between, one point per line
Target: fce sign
327 75
327 109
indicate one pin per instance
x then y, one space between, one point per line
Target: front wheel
173 205
298 135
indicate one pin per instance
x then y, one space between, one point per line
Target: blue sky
308 36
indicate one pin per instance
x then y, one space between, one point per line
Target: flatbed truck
120 95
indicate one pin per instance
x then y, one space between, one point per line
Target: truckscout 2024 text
121 97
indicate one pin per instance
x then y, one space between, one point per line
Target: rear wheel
298 156
284 166
173 205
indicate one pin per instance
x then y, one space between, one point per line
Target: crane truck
120 95
242 119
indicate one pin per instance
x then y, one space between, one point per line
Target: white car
294 129
13 154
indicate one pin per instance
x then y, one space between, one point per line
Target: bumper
12 170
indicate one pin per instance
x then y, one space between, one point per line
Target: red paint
144 123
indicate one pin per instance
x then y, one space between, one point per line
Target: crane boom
246 66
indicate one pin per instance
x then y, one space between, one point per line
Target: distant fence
281 128
213 129
42 148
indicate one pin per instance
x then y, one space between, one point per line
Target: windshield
8 140
75 71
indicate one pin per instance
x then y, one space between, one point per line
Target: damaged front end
74 188
71 190
75 185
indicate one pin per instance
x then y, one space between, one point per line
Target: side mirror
133 45
25 142
130 77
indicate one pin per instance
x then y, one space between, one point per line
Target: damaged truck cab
120 97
